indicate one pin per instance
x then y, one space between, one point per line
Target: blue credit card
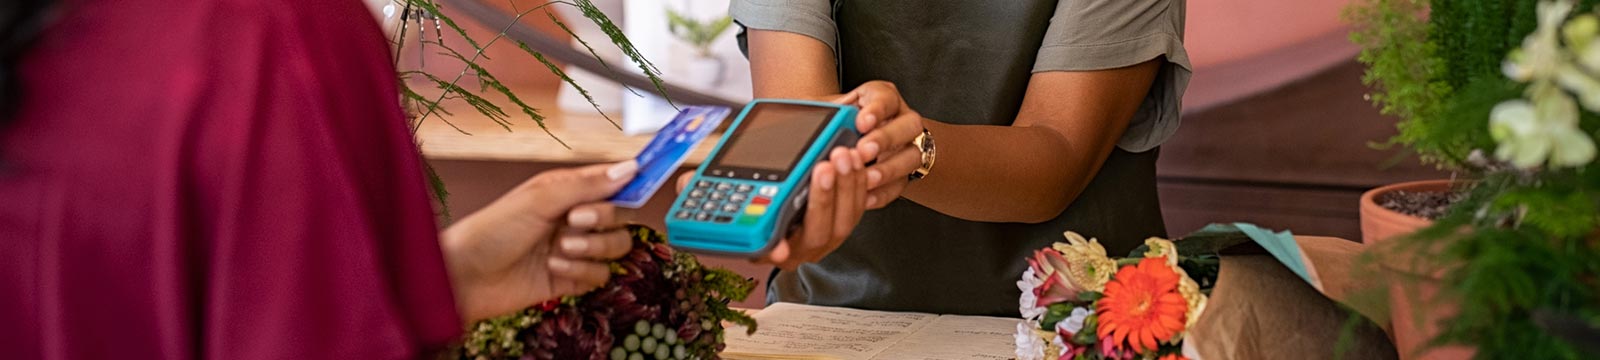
661 158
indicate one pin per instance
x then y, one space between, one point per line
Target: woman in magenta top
233 179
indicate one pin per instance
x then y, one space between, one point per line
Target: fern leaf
585 43
619 39
568 79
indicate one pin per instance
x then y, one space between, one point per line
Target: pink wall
1221 31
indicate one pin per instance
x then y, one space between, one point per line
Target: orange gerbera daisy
1142 306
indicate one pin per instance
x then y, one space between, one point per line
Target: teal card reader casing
751 188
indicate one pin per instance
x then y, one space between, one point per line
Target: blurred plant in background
701 34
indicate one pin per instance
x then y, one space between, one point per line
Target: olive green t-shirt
1082 35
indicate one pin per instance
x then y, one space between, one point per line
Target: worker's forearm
1003 173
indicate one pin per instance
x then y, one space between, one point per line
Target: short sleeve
812 18
1106 34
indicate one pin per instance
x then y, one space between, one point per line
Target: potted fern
1505 94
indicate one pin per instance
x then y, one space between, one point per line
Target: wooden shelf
591 137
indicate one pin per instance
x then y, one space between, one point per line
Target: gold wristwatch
924 142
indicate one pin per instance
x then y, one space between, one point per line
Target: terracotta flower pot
1409 292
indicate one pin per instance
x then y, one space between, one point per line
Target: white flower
1544 130
1028 303
1029 345
1073 323
1579 82
1541 52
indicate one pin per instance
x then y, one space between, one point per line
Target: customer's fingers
893 167
591 216
598 246
551 194
575 276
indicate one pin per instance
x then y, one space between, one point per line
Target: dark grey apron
960 62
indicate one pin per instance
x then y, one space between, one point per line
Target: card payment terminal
743 199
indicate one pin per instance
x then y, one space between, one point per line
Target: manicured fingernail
872 200
574 245
622 170
560 264
582 217
873 176
841 162
825 179
869 149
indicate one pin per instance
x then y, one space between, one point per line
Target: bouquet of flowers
659 304
1078 303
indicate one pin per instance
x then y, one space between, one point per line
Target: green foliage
1402 66
1436 65
1057 312
1463 123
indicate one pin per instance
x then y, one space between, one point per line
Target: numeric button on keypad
730 207
697 193
702 184
684 214
723 186
737 198
717 196
702 216
743 188
708 206
691 203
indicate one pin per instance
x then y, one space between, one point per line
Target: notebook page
955 337
795 331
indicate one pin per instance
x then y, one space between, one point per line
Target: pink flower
1058 285
1109 350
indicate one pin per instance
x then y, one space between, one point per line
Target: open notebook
796 332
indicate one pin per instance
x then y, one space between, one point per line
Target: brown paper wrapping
1260 309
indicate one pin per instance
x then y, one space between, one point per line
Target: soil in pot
1423 204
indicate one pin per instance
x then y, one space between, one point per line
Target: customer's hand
890 126
834 206
549 237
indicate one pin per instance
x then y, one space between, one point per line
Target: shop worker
995 126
